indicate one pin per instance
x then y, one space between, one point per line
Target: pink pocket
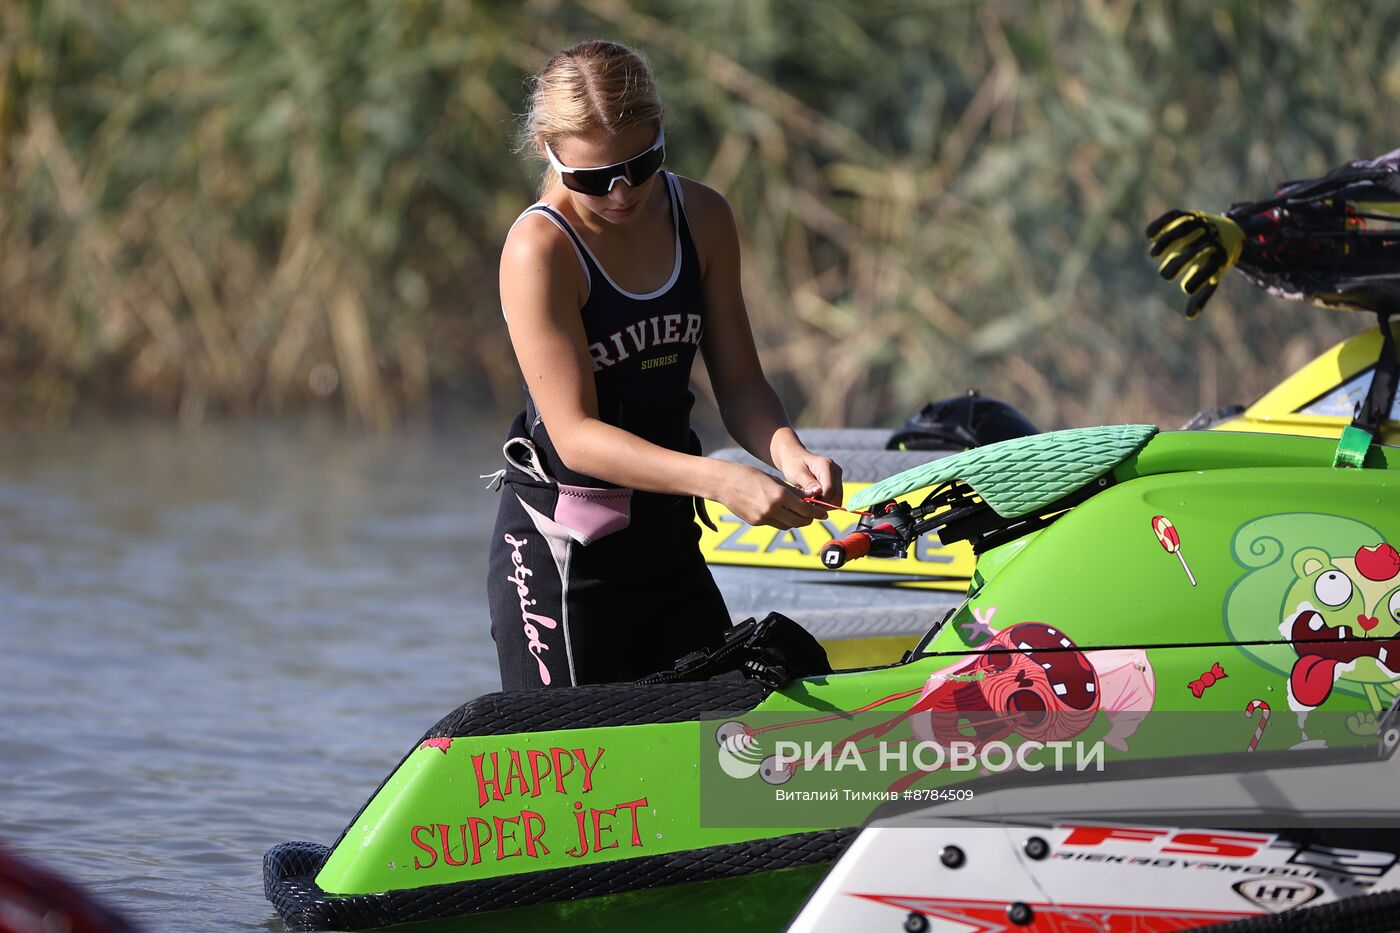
593 513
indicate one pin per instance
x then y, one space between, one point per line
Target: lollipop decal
1171 542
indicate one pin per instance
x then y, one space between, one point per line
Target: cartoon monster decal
1029 680
1331 587
1035 682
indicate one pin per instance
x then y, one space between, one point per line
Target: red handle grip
838 552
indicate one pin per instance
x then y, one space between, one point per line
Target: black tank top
642 345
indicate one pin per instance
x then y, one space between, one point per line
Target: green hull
1191 580
754 903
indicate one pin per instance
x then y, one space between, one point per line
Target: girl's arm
542 290
751 410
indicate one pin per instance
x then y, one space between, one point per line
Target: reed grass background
217 207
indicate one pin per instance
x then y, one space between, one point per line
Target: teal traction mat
1018 476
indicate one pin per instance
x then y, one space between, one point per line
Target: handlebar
890 528
838 552
886 539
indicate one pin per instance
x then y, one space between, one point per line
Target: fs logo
1275 895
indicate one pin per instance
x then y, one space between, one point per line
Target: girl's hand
759 499
815 475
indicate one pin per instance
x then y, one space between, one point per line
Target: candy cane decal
1171 542
1264 712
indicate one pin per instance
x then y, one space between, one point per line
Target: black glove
1199 248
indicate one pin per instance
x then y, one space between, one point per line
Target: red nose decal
1381 562
1367 622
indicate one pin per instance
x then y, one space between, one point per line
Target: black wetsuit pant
626 604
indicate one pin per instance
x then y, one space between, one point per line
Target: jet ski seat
1019 476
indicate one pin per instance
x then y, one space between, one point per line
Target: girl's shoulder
536 244
536 235
710 218
703 204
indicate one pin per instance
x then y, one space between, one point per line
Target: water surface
214 641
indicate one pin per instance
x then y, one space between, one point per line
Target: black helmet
957 423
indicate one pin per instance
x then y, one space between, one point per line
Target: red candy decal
1208 679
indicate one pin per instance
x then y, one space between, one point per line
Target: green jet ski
1138 596
1122 573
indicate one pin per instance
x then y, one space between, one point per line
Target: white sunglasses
598 182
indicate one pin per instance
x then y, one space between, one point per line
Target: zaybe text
528 619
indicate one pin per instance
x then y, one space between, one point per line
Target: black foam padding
1367 913
593 707
289 873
